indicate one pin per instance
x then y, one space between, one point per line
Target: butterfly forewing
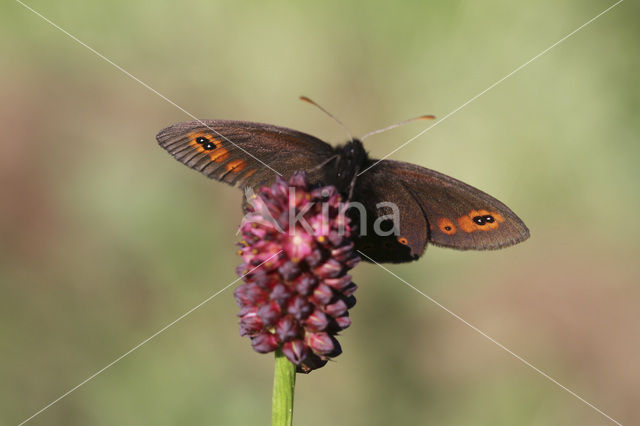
244 153
458 215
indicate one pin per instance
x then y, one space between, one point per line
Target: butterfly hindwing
457 215
383 197
242 153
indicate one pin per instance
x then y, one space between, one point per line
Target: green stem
284 383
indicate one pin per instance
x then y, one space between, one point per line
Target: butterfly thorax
350 160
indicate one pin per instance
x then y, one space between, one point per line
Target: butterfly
432 207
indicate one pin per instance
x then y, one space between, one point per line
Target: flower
296 253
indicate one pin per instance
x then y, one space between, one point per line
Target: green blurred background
105 238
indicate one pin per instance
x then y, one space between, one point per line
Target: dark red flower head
298 298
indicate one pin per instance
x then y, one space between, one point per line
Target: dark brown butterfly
432 207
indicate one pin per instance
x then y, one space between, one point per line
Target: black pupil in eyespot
480 220
489 219
206 144
447 228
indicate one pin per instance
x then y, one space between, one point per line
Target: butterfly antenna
309 101
402 123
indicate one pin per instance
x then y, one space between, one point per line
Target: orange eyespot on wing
403 241
480 220
466 224
447 226
249 173
236 166
219 155
203 142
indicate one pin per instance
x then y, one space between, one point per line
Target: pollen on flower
298 299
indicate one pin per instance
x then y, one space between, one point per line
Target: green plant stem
284 384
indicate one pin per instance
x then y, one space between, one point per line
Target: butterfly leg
324 163
353 183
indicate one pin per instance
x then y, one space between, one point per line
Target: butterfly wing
243 153
455 214
387 202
